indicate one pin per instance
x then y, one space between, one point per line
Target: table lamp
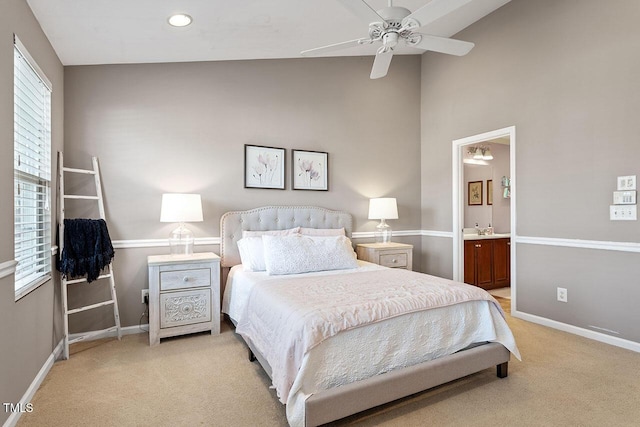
383 208
181 208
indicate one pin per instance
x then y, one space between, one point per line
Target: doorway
460 147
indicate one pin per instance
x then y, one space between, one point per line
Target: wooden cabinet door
470 262
502 262
484 264
478 263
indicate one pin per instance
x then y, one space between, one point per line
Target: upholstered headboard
274 218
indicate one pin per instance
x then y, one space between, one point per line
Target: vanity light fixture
180 20
480 153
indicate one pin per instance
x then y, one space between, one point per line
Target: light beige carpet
501 293
200 380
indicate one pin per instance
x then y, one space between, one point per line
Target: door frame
458 198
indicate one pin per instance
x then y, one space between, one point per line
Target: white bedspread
287 317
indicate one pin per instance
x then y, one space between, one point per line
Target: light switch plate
624 197
626 183
623 212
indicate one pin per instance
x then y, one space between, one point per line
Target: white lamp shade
383 208
178 207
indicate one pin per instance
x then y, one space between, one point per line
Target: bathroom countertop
486 236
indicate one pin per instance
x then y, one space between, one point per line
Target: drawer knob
185 279
394 261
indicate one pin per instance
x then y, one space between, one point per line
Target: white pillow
252 254
303 254
322 231
259 233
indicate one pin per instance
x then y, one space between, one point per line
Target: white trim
458 202
548 241
394 233
434 233
157 243
578 243
596 336
8 268
129 330
14 417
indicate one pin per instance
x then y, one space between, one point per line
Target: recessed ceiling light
180 20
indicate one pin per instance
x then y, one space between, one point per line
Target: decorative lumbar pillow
322 231
259 233
252 253
303 254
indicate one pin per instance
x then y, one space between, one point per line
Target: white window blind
32 172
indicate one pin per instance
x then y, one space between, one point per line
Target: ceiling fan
393 24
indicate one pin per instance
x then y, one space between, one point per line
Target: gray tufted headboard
274 218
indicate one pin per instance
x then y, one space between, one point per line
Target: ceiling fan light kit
393 24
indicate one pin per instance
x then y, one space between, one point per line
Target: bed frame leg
502 370
252 357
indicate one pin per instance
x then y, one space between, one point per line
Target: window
32 172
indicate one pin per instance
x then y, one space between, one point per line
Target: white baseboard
127 330
596 336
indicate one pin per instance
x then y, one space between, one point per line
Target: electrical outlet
562 294
145 296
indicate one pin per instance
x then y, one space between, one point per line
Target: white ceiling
86 32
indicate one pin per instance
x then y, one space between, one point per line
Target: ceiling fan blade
434 10
381 63
444 45
362 10
336 46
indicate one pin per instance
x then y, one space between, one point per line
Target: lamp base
383 232
181 241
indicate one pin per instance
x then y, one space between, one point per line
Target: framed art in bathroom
475 193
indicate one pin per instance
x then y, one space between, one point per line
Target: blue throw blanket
87 248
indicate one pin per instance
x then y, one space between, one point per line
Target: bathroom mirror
495 208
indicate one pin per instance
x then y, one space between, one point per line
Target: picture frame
474 195
264 167
309 170
489 192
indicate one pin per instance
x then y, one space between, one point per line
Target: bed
368 359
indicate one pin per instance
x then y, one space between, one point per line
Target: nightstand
394 255
184 295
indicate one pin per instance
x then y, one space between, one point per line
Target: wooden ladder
108 271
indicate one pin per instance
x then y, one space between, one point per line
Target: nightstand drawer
183 279
398 260
394 255
184 308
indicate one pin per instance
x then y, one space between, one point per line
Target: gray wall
27 326
182 127
565 74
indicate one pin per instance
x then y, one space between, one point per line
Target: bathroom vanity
487 260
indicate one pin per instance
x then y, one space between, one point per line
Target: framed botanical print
264 167
309 170
489 192
475 193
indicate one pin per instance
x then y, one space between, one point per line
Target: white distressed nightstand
394 255
184 295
